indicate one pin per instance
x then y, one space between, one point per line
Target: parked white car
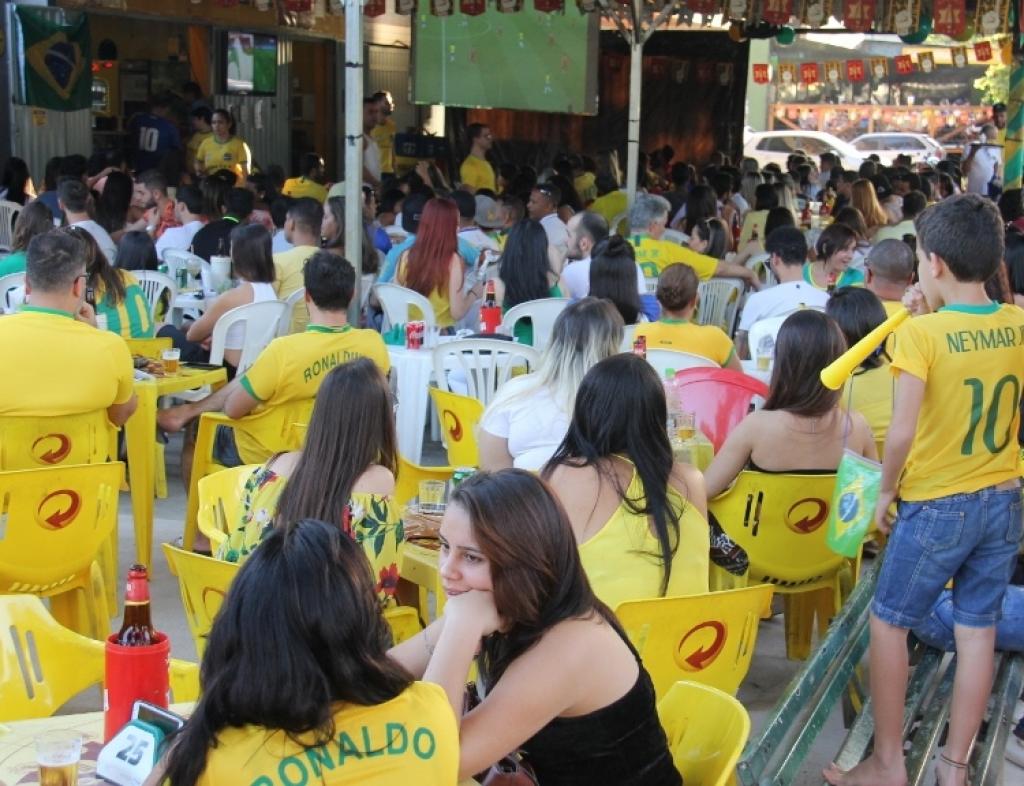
888 145
776 146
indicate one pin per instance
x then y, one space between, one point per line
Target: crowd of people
580 503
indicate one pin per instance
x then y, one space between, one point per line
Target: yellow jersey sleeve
263 378
121 357
703 265
913 353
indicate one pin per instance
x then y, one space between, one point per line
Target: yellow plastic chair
707 638
407 484
781 521
404 622
706 732
43 664
59 520
220 502
458 416
203 582
148 347
273 428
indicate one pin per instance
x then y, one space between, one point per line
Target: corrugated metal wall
40 134
388 69
263 121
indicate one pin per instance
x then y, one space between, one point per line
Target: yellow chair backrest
151 348
781 521
404 622
57 521
204 583
42 664
30 442
458 416
184 680
220 502
706 732
407 484
706 638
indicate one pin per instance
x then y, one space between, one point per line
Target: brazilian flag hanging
57 66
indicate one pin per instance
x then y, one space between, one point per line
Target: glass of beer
170 359
57 754
685 426
764 361
432 496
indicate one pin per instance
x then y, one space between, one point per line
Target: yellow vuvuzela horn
835 373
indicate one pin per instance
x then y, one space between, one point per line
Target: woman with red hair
433 267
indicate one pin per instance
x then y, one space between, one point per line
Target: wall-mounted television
250 64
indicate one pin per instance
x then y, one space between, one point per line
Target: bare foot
173 419
869 772
950 773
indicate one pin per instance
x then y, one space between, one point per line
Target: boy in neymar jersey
952 465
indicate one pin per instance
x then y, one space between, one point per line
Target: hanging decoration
761 75
787 73
776 12
859 15
441 7
983 51
549 6
918 36
725 72
786 36
736 33
904 64
903 16
879 67
405 7
816 12
705 7
298 6
585 6
372 8
992 17
472 7
833 72
926 62
739 9
509 6
855 70
949 17
809 73
958 55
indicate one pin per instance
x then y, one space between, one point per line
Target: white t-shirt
102 238
371 158
576 276
982 168
177 238
532 423
780 299
557 231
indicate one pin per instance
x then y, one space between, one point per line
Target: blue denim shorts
972 539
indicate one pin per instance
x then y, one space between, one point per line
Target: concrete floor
769 674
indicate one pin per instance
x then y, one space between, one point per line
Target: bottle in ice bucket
490 311
137 658
640 346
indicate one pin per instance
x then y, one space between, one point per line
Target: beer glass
170 359
57 754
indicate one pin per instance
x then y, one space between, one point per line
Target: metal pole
354 147
636 70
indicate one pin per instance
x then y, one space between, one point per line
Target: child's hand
913 300
883 518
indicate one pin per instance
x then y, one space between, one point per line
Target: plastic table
140 436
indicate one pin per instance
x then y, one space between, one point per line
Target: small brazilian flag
57 73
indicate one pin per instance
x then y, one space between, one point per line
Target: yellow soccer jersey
477 173
288 267
972 361
612 204
56 365
653 256
299 187
232 155
683 336
384 136
411 739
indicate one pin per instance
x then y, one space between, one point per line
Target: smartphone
202 366
165 720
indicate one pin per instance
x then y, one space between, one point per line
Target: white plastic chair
675 236
8 214
10 284
663 359
366 284
542 313
759 264
720 302
154 285
284 325
260 321
764 327
175 259
395 301
485 364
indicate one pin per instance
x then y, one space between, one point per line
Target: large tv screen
526 60
250 63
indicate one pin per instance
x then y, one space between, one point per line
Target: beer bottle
137 628
490 295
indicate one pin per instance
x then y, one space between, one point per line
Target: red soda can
640 346
414 332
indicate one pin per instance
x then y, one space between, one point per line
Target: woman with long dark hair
802 426
33 219
252 263
701 204
16 183
136 251
613 277
117 296
344 474
561 682
525 272
296 679
639 517
114 204
834 252
433 266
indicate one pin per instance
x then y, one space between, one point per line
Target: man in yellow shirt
647 220
384 134
302 230
55 360
611 202
310 182
292 367
675 330
476 172
201 131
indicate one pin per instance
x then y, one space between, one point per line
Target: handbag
511 770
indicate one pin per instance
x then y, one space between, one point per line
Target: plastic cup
432 496
170 358
57 754
764 362
685 425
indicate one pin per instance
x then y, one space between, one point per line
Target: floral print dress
371 520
